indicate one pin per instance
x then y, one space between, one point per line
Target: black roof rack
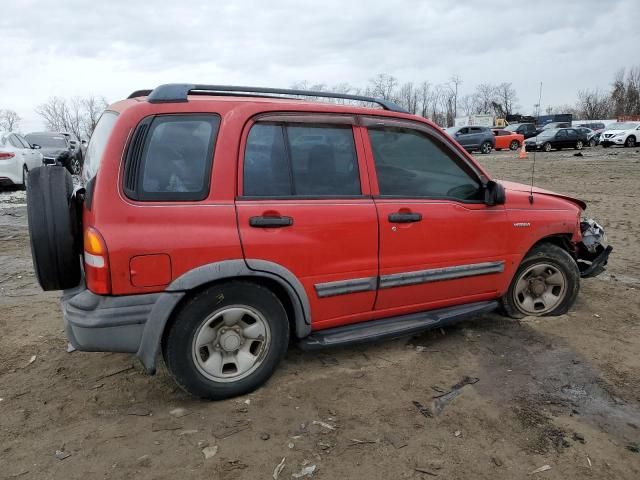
177 92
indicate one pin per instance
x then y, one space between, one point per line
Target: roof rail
177 92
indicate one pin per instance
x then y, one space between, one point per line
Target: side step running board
393 327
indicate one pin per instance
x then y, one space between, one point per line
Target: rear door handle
270 222
405 217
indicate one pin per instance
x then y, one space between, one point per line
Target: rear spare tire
53 228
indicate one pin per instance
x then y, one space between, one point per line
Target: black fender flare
226 269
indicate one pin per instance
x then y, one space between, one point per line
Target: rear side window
300 160
97 144
170 158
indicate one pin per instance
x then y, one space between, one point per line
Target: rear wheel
630 142
53 228
226 340
485 148
514 145
74 166
546 284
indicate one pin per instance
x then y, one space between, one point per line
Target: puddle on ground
540 372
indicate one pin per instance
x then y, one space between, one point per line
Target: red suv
215 223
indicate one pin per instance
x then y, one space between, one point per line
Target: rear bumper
127 324
96 323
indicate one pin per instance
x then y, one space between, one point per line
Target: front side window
409 163
176 159
300 160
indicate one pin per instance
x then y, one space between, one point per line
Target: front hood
614 132
520 187
52 151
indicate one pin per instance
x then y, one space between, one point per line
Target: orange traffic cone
523 152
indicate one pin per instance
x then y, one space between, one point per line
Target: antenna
533 165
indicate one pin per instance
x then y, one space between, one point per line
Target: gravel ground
561 392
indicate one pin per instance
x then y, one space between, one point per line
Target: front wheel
485 148
630 142
547 147
74 166
226 340
546 284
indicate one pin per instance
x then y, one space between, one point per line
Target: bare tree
504 99
408 97
593 105
455 81
467 104
78 116
632 91
9 120
383 86
93 108
484 98
618 93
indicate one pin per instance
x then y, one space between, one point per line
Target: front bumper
612 141
593 251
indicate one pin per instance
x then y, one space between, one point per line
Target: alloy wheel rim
579 145
75 166
231 343
540 289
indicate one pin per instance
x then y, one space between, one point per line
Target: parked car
589 135
527 129
554 125
376 225
75 144
57 150
621 133
556 138
595 126
16 159
473 138
506 139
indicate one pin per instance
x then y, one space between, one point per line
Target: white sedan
17 157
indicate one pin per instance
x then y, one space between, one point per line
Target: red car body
508 140
333 262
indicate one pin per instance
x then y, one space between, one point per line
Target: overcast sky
110 48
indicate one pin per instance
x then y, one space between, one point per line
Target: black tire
74 164
179 338
514 145
546 147
53 229
546 253
605 145
630 142
485 148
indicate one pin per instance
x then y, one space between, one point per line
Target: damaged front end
593 251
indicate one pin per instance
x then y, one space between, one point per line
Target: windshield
622 126
548 133
47 141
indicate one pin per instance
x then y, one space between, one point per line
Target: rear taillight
6 155
96 262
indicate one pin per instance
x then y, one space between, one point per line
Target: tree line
441 102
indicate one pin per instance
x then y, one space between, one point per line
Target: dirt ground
562 392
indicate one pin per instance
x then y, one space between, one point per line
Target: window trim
284 119
465 165
136 158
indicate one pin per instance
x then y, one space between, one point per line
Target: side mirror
494 193
35 146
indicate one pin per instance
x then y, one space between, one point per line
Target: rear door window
170 158
300 160
97 144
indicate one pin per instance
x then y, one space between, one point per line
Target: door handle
270 222
404 217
